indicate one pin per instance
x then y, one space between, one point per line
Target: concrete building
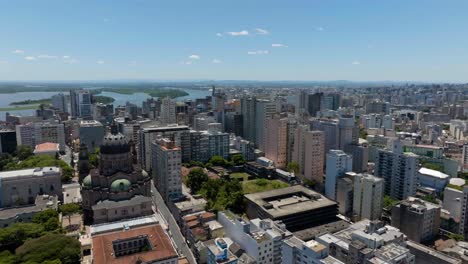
167 169
368 197
245 147
136 243
248 108
433 179
464 213
168 111
264 109
338 163
360 154
418 219
31 134
21 187
7 141
314 158
180 135
464 159
59 102
219 253
25 213
345 194
118 189
453 201
91 133
296 251
348 131
399 171
331 132
261 239
314 103
276 141
81 103
297 207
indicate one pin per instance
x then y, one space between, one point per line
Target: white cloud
356 62
194 57
30 58
216 61
100 62
319 29
18 51
45 56
278 45
258 52
261 31
66 57
219 34
238 33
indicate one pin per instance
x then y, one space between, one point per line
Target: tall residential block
338 163
314 156
167 169
368 197
168 111
264 109
276 141
81 103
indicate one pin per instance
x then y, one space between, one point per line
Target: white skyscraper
168 111
338 163
368 197
264 109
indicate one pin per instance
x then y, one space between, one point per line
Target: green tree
293 167
23 152
5 159
69 210
389 202
456 237
7 258
238 159
310 183
218 161
222 194
50 247
13 236
42 161
48 219
196 178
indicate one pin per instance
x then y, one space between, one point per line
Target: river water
120 99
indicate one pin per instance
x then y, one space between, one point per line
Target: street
175 233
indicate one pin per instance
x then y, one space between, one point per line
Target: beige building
314 158
276 136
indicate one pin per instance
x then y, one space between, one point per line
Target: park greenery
103 99
262 185
40 162
433 166
222 194
32 102
293 167
195 179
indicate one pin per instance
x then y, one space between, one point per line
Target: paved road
173 227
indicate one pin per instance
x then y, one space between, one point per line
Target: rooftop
119 225
433 173
37 172
161 246
289 200
42 202
46 147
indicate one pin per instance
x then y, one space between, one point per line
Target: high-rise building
298 152
314 103
248 107
360 154
168 111
7 141
246 148
314 156
464 213
179 134
32 134
264 109
59 102
296 251
330 101
81 103
331 132
345 194
348 131
399 171
276 141
368 197
338 163
167 169
465 157
416 218
91 133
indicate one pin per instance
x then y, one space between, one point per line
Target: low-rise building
48 148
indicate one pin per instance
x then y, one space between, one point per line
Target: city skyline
212 40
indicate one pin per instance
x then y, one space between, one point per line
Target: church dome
87 181
115 144
120 185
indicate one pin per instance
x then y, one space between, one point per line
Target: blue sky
242 39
